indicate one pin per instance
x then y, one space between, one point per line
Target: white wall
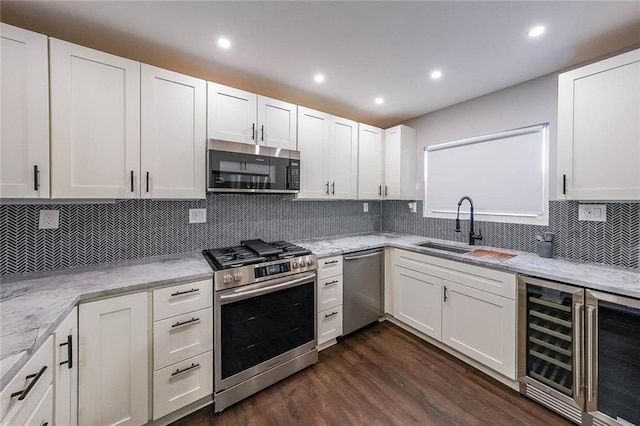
525 104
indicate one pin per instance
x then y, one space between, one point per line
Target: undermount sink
445 247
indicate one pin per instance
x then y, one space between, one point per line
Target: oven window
260 328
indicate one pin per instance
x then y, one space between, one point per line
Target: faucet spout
472 236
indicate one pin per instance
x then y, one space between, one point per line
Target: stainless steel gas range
264 316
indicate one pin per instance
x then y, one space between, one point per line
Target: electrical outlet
197 215
365 207
49 219
413 207
592 212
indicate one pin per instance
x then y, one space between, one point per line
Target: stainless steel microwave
239 167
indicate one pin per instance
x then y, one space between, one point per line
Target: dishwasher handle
364 256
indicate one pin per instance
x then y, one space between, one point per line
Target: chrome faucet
472 236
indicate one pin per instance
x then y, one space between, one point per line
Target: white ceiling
369 49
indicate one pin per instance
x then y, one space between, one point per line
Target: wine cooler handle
590 366
577 338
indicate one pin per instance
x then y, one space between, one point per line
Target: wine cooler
579 352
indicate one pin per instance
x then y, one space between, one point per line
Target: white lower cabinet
66 370
469 308
114 361
329 292
418 301
27 398
182 383
329 324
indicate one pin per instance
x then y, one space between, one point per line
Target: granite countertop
625 282
33 305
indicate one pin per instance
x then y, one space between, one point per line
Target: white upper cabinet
95 123
370 162
598 131
239 116
343 158
173 134
232 114
313 143
400 153
24 134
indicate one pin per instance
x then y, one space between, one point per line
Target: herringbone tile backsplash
99 233
614 242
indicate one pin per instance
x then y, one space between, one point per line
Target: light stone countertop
32 305
621 281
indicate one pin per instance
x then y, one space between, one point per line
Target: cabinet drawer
179 299
329 324
181 384
181 337
41 415
329 267
33 379
329 292
484 279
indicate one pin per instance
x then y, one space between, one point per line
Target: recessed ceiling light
379 101
436 74
318 78
536 31
225 43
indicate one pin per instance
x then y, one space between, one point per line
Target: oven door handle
241 295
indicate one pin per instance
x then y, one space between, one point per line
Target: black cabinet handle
333 188
386 190
380 190
331 282
253 132
327 188
36 178
330 315
564 184
262 133
25 392
180 293
184 370
191 321
131 180
331 262
445 293
147 181
69 344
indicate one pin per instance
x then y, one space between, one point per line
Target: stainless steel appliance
239 167
264 316
579 352
362 289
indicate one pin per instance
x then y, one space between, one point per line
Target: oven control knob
237 276
302 263
309 262
227 278
294 265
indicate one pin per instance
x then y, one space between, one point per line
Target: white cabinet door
598 131
370 162
343 159
418 301
95 123
24 134
329 324
329 292
66 375
277 123
400 163
173 138
114 361
42 415
480 325
313 144
232 114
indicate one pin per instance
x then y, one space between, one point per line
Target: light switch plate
197 215
592 212
365 207
49 219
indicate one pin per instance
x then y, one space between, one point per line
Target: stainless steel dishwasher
362 289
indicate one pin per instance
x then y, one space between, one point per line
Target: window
506 174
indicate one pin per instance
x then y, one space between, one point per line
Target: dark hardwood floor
383 375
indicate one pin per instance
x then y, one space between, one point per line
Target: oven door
612 359
260 326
